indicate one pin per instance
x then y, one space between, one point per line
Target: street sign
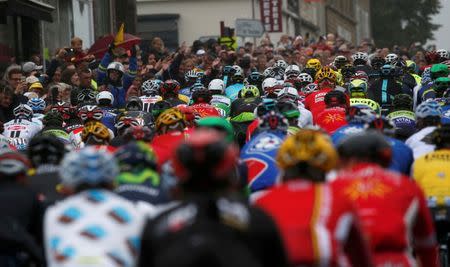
228 41
249 28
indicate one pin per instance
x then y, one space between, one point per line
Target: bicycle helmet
219 124
292 71
125 122
138 133
23 111
288 93
428 109
411 66
288 108
117 66
88 166
105 97
360 114
45 149
271 86
191 76
63 108
443 54
309 88
441 136
339 61
439 70
313 63
255 78
135 157
336 98
442 83
310 147
90 112
377 62
217 85
249 91
86 96
170 87
151 87
360 58
305 78
12 163
326 73
370 146
53 118
159 107
201 96
205 161
361 75
171 118
280 64
238 72
273 121
97 130
381 124
267 105
387 70
134 103
402 102
269 73
37 105
390 58
357 87
348 70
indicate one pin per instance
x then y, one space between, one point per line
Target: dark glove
111 46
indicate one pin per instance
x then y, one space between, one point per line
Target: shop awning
27 8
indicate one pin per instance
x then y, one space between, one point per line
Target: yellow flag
120 35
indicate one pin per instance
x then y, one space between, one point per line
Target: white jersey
417 142
20 132
220 99
305 118
95 228
148 101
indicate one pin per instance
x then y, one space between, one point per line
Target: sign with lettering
249 28
271 15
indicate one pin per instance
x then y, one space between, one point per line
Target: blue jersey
186 91
259 155
109 119
402 156
232 91
345 131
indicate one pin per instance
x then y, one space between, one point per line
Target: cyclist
53 125
138 179
289 109
38 106
402 116
95 134
305 158
271 87
428 116
333 116
379 194
21 129
105 101
358 95
427 90
291 94
383 89
360 61
93 224
169 92
229 230
326 81
236 82
255 78
312 66
191 78
201 99
219 100
357 117
45 153
150 94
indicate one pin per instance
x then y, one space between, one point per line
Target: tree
403 22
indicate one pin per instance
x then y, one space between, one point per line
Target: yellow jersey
432 174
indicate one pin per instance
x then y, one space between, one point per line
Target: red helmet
90 112
205 161
13 163
139 133
189 114
63 108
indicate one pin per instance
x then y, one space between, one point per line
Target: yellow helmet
309 146
169 117
339 78
97 129
326 73
313 63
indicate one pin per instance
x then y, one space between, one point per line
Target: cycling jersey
92 228
403 119
232 91
221 102
315 102
315 234
393 212
420 142
20 132
306 117
432 174
366 102
75 137
148 101
204 110
402 156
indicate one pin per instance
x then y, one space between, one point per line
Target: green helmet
442 83
249 91
219 124
439 70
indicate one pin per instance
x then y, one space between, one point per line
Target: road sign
249 28
228 41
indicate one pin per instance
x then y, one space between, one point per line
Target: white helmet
269 73
104 95
443 53
23 111
116 66
309 88
390 58
237 71
360 55
305 77
217 85
280 64
289 92
292 71
269 83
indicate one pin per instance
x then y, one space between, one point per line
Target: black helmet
85 96
402 102
381 124
377 62
159 107
335 98
348 70
369 146
45 149
202 96
134 103
53 118
441 136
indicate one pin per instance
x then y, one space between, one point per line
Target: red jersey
165 145
205 110
331 119
251 129
393 211
313 220
315 102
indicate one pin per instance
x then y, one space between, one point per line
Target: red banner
271 15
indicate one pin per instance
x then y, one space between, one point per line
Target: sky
442 35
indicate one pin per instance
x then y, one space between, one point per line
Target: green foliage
403 22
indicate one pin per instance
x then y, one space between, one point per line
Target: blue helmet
360 114
135 155
88 166
427 109
37 104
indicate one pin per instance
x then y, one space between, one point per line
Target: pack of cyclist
320 162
